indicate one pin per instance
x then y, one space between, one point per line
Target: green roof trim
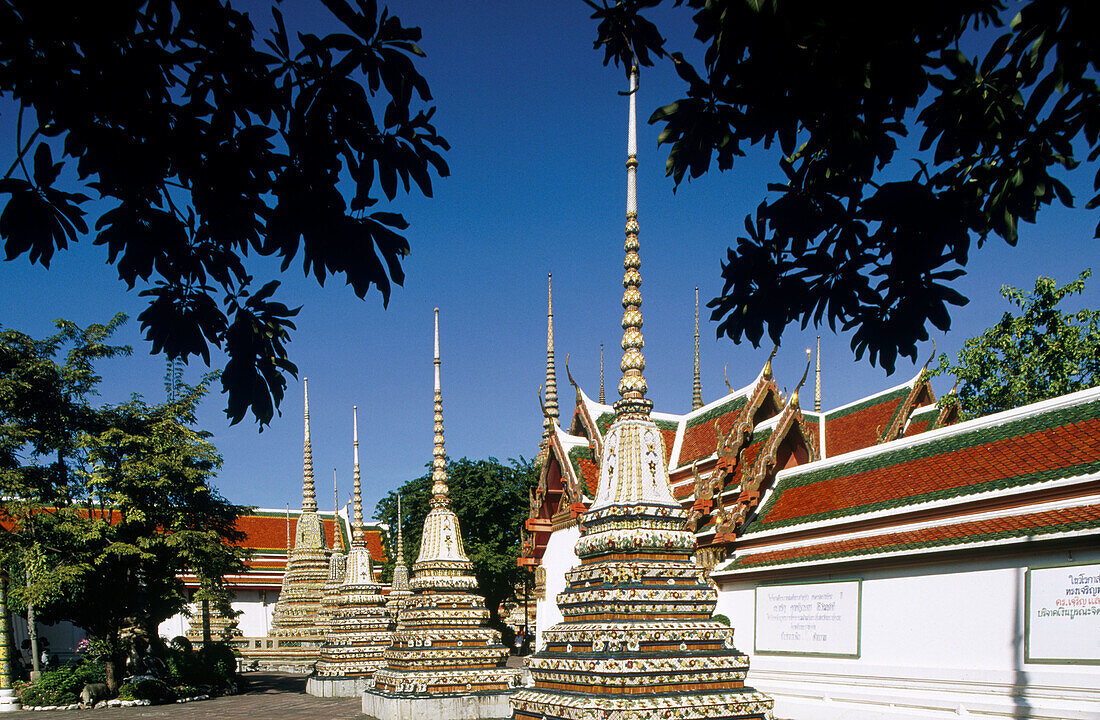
898 394
666 425
737 564
928 449
603 422
738 402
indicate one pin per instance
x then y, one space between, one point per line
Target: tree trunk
115 666
32 633
206 622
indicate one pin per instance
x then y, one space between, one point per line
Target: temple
879 559
637 639
360 627
444 662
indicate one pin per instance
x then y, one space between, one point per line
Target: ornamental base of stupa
318 686
533 704
380 705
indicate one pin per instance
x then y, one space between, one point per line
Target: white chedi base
9 701
337 686
479 706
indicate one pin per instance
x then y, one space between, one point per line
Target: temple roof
1026 474
265 532
1032 444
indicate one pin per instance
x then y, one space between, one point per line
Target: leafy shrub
181 643
214 665
150 689
721 618
63 685
219 664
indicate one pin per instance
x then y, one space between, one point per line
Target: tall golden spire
696 386
337 536
551 399
357 537
550 405
439 454
400 554
309 497
817 383
632 386
603 398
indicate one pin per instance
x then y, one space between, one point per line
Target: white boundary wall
937 640
256 607
558 559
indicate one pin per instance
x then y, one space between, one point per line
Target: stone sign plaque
1063 614
810 619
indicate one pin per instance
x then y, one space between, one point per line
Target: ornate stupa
299 601
443 649
637 640
360 628
222 628
336 563
399 587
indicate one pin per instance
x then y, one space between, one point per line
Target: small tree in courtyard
1040 353
110 505
490 499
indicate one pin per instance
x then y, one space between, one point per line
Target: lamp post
9 701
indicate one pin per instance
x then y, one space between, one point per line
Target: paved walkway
269 696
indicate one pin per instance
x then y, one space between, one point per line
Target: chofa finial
805 374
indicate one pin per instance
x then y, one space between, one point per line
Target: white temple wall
174 626
558 559
934 640
62 636
256 607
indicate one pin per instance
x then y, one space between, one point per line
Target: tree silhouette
203 145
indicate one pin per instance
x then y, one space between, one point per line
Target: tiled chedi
442 646
399 586
637 641
299 601
360 628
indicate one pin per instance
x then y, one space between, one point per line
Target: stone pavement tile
269 696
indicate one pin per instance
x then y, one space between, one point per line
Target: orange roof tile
1025 450
1024 525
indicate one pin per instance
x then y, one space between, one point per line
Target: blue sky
537 186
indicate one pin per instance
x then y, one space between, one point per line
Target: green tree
204 144
103 541
865 229
1041 352
490 499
